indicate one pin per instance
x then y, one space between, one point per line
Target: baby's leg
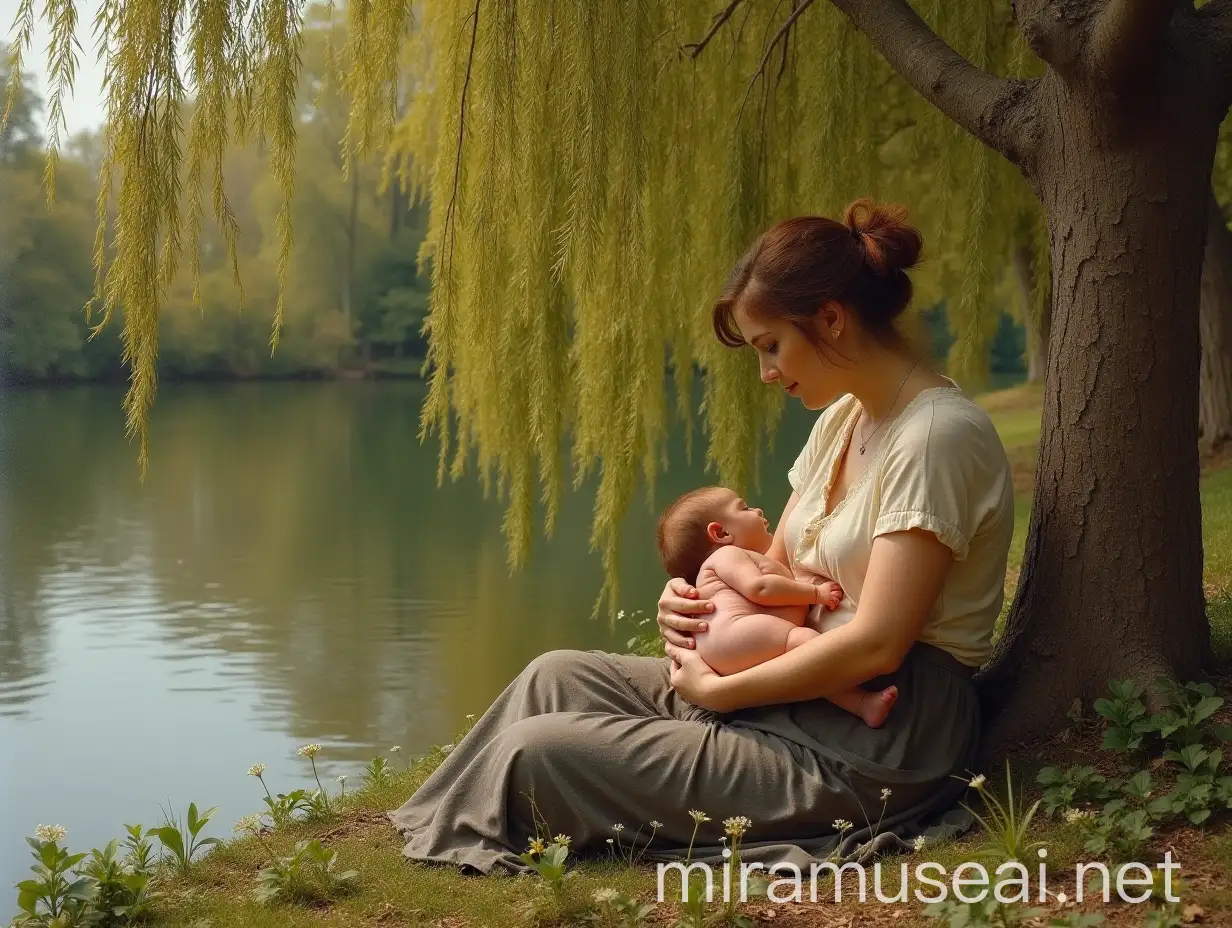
872 707
745 642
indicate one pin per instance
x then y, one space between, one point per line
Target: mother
902 494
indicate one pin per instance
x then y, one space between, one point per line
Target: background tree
594 169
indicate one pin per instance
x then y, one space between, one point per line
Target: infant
718 544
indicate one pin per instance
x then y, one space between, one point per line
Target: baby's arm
738 569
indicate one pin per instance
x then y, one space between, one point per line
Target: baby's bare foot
878 705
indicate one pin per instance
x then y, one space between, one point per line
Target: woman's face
785 354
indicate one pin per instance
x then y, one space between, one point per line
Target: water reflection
288 572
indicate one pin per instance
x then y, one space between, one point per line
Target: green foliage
182 839
988 913
1072 787
592 174
56 897
284 806
376 774
122 892
1006 824
308 874
1126 715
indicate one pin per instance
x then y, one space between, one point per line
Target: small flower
620 615
977 782
342 779
737 826
256 770
885 794
1073 816
471 717
841 825
604 895
699 817
618 828
562 840
655 825
309 750
919 843
536 846
53 833
395 749
611 841
248 825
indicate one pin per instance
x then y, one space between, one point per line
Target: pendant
861 449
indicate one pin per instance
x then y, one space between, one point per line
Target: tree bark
1038 330
1215 323
1111 583
1117 139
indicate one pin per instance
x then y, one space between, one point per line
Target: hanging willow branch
591 183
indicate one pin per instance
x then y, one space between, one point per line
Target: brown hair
801 263
681 533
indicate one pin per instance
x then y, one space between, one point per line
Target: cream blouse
941 467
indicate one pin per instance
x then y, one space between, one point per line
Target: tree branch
1127 38
997 111
695 48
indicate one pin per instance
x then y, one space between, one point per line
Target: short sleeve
942 473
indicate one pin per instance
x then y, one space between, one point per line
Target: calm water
289 572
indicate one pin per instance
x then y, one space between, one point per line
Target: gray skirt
600 740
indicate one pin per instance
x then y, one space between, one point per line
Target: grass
217 893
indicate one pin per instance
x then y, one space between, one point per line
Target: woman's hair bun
889 244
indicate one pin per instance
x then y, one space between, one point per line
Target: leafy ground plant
183 841
56 896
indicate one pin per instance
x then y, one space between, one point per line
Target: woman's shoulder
945 421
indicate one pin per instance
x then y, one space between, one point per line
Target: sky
84 110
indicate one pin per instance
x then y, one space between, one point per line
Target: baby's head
699 523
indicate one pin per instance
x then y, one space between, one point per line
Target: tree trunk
1215 323
1111 584
1038 330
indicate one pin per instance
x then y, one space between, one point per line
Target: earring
834 333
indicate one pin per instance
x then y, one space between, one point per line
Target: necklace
864 441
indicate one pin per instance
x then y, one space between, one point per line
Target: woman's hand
693 679
678 605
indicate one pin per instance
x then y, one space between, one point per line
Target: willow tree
594 168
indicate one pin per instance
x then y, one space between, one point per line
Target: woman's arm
682 611
906 572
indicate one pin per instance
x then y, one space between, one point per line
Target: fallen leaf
769 913
1192 913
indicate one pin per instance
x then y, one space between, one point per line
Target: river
288 572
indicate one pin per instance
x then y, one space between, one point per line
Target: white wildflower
977 782
699 817
655 825
919 843
611 841
604 895
471 717
618 828
841 825
249 824
1073 816
309 750
562 840
256 770
620 615
342 779
53 833
736 826
885 794
395 749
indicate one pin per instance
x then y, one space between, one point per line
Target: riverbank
217 892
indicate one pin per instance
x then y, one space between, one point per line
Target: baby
717 543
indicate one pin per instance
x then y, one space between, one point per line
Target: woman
902 494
